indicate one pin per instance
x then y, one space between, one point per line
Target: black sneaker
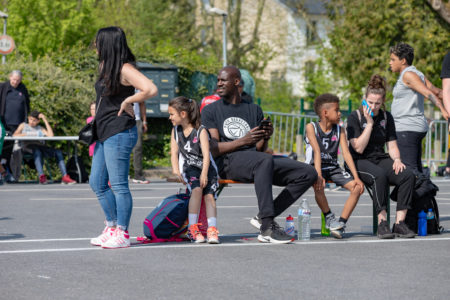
275 234
383 231
402 230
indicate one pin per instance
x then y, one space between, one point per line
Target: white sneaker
107 233
120 239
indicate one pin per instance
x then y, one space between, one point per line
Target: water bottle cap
430 209
422 213
290 218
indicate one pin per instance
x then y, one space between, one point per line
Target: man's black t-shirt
445 73
383 131
233 121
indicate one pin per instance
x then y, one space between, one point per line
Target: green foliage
42 26
365 29
276 96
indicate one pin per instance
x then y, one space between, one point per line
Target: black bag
76 170
88 134
423 199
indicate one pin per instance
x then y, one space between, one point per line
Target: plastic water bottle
290 226
422 224
304 221
324 230
430 214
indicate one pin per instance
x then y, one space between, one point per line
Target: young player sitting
323 139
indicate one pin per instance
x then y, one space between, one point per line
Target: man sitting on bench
239 138
39 149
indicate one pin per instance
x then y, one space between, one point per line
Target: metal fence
289 130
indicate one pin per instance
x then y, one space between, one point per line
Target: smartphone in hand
264 122
364 103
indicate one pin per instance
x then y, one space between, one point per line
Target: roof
312 7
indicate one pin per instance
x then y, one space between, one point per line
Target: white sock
193 219
212 222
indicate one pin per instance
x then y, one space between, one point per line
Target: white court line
137 198
190 245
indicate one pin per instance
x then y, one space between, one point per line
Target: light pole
216 11
4 17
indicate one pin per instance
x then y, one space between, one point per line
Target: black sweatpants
410 146
380 176
266 170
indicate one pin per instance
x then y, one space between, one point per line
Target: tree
365 29
43 26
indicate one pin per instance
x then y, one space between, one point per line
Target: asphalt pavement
45 252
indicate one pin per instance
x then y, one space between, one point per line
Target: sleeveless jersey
328 144
190 149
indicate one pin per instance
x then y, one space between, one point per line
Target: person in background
117 133
141 125
244 96
2 138
14 108
39 149
407 108
89 120
445 76
209 99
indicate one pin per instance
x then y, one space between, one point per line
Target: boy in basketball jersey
323 139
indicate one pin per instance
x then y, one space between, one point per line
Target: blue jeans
111 162
42 151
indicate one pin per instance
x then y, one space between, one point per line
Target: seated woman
367 136
39 149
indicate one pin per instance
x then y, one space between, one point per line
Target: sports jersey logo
383 123
235 128
334 138
195 140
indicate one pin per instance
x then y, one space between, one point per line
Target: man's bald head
232 71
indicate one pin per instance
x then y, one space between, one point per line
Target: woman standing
368 136
408 105
117 134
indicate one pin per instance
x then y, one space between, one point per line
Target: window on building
311 33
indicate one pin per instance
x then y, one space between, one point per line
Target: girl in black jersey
192 162
323 139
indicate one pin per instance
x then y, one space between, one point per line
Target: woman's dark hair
113 52
376 85
190 107
403 51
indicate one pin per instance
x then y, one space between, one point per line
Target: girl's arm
349 159
204 144
394 153
360 143
174 156
131 76
311 136
413 81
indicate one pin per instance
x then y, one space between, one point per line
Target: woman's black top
107 122
383 131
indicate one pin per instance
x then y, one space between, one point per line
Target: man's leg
257 167
37 155
297 178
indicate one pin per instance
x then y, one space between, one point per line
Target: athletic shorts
192 175
337 175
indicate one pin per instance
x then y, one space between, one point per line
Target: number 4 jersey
190 149
328 144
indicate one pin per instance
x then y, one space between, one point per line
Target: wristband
145 122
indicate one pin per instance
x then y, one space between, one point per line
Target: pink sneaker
120 239
67 180
43 179
107 233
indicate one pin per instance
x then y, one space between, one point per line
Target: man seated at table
39 149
